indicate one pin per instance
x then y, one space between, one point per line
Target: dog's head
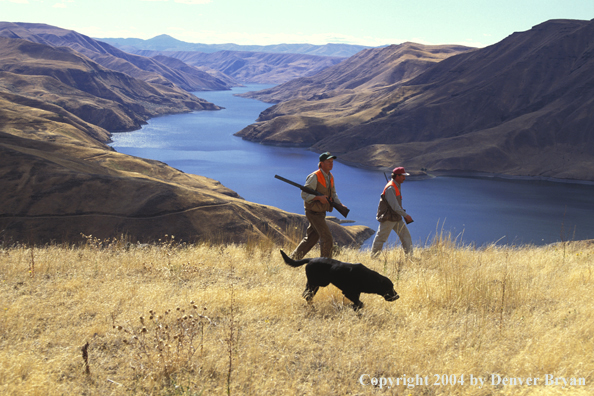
388 292
391 296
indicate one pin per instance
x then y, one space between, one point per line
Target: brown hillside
150 70
55 192
523 107
253 67
368 69
217 81
341 96
111 100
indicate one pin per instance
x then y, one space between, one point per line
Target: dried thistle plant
162 345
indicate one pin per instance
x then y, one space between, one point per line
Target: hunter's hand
322 198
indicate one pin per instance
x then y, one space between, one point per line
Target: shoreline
416 175
489 175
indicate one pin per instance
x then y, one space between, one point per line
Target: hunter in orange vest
316 207
390 215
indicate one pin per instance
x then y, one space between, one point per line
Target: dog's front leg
357 304
310 292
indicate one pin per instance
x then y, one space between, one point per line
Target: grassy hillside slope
109 317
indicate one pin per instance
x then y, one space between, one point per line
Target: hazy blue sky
368 22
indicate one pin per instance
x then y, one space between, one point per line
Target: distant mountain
253 67
147 69
190 70
165 42
368 70
524 106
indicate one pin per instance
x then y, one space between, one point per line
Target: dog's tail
293 263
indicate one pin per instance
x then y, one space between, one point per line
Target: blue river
471 209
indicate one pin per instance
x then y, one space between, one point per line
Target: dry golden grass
516 312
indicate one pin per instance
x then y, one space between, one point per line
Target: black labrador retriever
352 279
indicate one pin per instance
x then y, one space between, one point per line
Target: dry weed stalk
165 344
32 265
85 356
232 336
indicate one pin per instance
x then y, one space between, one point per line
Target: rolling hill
151 70
59 191
524 106
63 77
164 60
368 70
252 67
344 95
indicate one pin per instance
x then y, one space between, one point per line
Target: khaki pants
317 230
383 233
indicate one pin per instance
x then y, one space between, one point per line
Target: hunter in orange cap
391 215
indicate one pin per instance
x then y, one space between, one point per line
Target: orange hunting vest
384 210
321 187
393 184
322 179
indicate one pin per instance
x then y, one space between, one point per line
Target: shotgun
343 210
